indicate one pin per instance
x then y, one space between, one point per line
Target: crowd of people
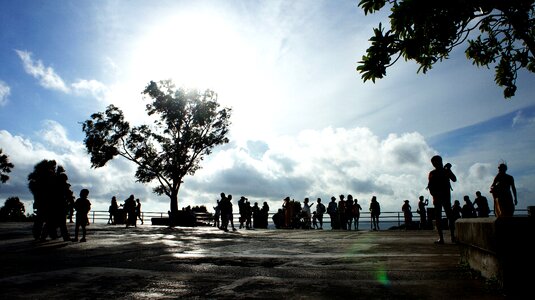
54 203
250 217
125 213
345 213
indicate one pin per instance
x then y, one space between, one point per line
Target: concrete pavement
154 262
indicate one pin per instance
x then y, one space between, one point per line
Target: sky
303 122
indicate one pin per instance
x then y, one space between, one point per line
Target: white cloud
46 75
5 90
95 88
314 163
321 163
49 79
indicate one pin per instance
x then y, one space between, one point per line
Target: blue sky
303 123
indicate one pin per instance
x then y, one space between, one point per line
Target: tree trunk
174 202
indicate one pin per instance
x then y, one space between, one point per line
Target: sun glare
211 50
196 51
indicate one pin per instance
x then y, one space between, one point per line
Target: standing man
504 201
482 205
320 210
422 211
440 188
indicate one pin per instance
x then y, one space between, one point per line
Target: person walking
502 185
138 211
440 188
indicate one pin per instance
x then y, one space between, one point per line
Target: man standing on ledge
440 188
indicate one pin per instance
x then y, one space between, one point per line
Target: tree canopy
5 167
427 31
13 210
187 125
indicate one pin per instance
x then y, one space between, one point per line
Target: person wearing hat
407 213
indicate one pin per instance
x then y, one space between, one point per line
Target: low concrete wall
500 248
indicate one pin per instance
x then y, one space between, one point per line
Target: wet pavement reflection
156 262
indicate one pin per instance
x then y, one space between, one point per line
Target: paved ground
206 263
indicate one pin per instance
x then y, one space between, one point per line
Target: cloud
46 75
52 143
314 163
320 163
95 88
49 79
521 119
5 90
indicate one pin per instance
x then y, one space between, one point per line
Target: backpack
321 208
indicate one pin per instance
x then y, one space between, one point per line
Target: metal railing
389 218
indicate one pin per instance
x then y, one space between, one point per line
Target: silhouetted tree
5 167
427 31
187 125
13 210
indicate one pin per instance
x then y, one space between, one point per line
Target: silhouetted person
349 212
482 205
342 212
375 211
248 214
62 194
70 207
226 212
257 217
112 210
264 215
504 201
82 206
332 210
468 210
217 215
287 207
356 213
314 220
407 213
307 215
130 209
456 210
440 188
278 218
138 211
242 211
224 206
422 211
320 210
